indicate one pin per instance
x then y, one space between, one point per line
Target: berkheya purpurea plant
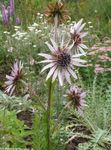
62 60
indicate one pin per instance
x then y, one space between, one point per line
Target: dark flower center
75 98
18 76
77 39
57 12
64 59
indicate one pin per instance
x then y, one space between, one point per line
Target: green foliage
99 140
12 131
40 132
14 103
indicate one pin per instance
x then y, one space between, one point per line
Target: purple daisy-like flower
13 78
77 37
61 62
77 96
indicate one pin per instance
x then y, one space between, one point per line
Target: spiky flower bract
61 63
14 77
56 10
77 37
77 96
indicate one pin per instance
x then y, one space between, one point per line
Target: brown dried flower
56 10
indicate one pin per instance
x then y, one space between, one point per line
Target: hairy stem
55 36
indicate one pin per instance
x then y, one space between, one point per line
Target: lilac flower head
12 7
5 15
61 62
76 95
18 21
77 37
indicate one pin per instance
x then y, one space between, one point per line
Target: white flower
89 22
34 46
61 62
38 14
35 24
77 37
10 49
90 26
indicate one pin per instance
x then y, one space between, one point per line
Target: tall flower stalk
49 115
61 64
56 14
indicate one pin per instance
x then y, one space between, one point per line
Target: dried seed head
56 10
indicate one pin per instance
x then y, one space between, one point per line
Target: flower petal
45 55
83 34
15 67
51 72
12 90
8 82
55 75
72 30
81 27
83 95
54 44
81 50
60 78
77 64
50 47
83 46
67 76
77 55
72 72
47 66
9 77
77 25
79 60
46 61
8 88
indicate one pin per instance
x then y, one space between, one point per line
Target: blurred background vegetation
96 11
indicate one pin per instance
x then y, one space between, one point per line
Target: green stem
49 115
56 28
